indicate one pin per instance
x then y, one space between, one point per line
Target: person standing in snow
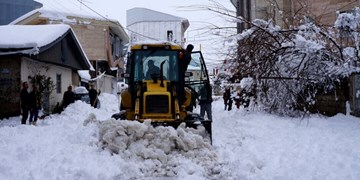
69 97
230 102
34 104
25 102
226 96
205 101
93 94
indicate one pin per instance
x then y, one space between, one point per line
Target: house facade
291 12
103 40
149 25
55 55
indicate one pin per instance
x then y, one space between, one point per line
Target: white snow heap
116 136
160 147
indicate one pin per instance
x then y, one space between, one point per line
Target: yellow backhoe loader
160 89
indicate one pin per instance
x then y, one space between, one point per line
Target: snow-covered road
246 145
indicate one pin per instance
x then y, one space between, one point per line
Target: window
58 83
169 59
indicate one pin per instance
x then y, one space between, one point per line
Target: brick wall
92 39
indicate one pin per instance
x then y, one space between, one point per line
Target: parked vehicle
82 94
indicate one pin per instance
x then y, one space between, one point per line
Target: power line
50 5
115 23
79 6
62 6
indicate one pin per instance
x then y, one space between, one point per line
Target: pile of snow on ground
160 151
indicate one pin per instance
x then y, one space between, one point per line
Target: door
198 82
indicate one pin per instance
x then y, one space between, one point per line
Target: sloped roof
30 36
71 18
136 15
33 39
56 16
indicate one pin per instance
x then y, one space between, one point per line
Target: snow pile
84 143
160 151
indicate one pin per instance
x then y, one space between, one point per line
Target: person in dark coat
226 97
230 104
93 94
25 102
186 57
69 97
205 101
34 104
238 99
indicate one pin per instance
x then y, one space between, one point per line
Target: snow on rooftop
61 16
136 15
30 36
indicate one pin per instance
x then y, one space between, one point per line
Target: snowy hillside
83 143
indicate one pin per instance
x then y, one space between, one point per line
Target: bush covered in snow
290 66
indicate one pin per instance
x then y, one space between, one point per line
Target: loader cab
167 64
150 63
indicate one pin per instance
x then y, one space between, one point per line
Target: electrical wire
64 7
115 23
50 5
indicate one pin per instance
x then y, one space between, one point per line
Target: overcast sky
197 34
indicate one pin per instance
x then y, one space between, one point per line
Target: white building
28 53
145 24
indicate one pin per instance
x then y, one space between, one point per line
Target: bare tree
290 66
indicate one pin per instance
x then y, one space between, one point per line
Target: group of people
30 102
69 96
241 97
